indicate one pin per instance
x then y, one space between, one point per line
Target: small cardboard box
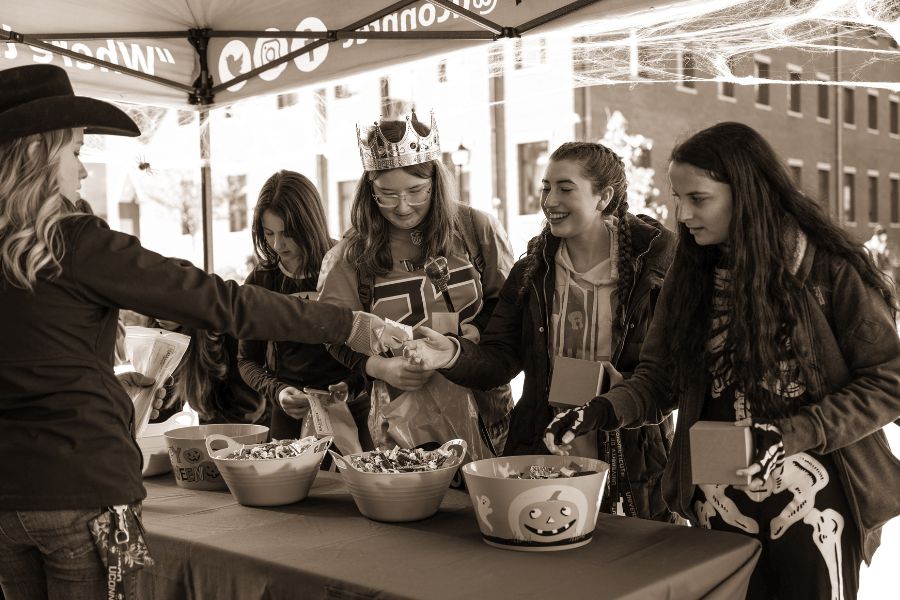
575 381
718 449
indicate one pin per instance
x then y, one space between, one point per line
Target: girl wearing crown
585 290
404 212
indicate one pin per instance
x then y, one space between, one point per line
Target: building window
873 110
849 107
894 116
795 75
442 71
849 195
824 188
687 70
286 100
796 168
237 202
346 192
384 87
894 198
130 217
727 88
518 54
824 95
342 91
532 160
644 58
873 196
762 89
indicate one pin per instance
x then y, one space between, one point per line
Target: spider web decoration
645 46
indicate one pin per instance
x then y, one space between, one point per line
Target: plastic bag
329 415
437 412
154 353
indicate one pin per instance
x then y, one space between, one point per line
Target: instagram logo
268 50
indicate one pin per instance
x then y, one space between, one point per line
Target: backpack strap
470 237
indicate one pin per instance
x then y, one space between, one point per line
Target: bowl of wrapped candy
400 484
191 463
536 503
271 474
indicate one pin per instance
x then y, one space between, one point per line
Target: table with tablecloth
207 546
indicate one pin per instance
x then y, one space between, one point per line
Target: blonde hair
31 207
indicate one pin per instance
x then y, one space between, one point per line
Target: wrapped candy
274 449
438 272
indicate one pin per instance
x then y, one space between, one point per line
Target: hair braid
625 265
531 261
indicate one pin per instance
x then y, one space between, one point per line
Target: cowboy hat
39 98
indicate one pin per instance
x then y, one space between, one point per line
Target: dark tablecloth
207 546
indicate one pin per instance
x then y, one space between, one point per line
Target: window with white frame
894 198
823 189
849 106
795 165
687 71
823 98
763 69
873 196
873 110
727 88
848 195
795 76
894 115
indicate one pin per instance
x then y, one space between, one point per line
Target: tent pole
206 190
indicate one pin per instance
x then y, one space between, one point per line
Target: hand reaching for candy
434 351
569 424
371 335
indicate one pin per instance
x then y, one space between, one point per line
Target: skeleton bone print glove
569 424
768 456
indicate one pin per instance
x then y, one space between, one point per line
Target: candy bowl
272 474
385 493
536 503
191 464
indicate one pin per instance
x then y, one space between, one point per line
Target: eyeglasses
416 198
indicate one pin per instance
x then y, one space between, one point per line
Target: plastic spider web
646 46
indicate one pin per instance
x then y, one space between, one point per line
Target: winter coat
517 339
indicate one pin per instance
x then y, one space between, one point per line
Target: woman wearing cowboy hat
65 421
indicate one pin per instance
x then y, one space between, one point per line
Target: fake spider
144 165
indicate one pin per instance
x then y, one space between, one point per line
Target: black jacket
516 339
65 420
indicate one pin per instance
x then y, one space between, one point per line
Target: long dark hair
295 200
368 246
765 297
603 168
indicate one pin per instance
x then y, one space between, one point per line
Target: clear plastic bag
154 353
330 416
437 412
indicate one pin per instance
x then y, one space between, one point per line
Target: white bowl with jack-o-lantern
536 514
191 464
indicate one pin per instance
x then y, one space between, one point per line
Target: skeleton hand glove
596 414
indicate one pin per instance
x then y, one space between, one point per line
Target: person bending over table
290 239
66 421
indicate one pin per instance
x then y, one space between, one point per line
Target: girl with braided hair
585 289
771 317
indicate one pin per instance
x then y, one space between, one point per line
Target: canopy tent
198 54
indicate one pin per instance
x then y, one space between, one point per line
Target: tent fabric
175 59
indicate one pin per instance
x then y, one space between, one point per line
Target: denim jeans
50 555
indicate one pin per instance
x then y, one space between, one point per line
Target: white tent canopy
198 54
153 51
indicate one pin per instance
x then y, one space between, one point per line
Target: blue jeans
50 555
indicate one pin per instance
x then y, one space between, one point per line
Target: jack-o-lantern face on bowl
548 514
549 520
193 454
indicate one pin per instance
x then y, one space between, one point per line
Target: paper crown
412 149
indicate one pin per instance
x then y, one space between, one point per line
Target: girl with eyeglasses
405 210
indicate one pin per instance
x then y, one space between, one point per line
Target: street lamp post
460 158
